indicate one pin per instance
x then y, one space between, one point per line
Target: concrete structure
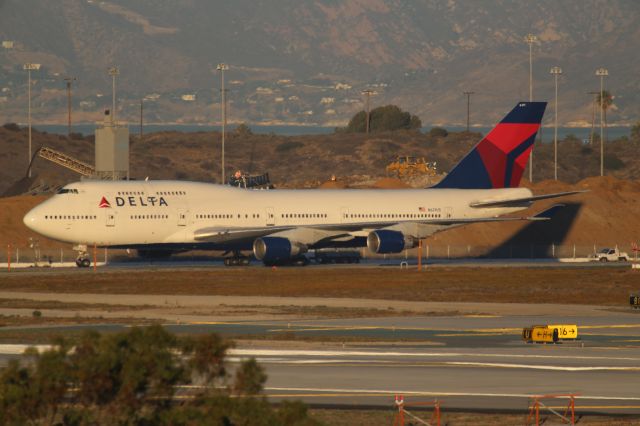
112 150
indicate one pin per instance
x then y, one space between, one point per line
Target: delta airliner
280 226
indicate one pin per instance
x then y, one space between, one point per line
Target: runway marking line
364 392
337 353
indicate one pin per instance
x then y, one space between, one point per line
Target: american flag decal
422 209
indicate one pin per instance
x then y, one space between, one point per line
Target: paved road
501 379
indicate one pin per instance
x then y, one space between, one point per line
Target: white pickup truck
611 255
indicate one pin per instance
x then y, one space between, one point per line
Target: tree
607 102
383 119
250 378
438 132
131 377
19 402
243 130
635 132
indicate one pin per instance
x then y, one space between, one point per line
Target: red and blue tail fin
499 159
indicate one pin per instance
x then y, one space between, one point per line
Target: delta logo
104 204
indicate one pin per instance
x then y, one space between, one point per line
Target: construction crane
67 161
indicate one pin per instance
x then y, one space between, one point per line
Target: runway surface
468 362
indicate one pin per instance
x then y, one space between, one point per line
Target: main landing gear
238 259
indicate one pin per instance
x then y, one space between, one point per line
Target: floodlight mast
555 71
222 68
530 39
113 72
29 67
69 80
602 73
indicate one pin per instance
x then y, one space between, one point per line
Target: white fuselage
134 213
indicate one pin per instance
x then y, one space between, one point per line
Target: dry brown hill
296 161
608 216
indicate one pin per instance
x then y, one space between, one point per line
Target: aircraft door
110 218
182 217
271 217
448 212
344 214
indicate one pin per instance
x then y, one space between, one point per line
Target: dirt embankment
590 286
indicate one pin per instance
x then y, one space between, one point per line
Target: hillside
307 61
607 216
297 161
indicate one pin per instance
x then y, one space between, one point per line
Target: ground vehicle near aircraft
280 226
408 166
611 255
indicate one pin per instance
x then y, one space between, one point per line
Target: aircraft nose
32 219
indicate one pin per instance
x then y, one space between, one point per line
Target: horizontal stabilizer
548 213
515 202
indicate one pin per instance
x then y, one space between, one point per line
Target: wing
514 202
342 232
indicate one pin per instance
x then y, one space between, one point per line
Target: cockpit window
67 191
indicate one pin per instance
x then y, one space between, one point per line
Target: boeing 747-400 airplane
280 226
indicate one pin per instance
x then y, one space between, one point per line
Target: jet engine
387 241
274 250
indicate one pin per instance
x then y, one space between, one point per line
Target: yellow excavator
405 166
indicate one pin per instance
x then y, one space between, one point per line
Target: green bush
289 146
132 377
12 127
383 119
438 132
612 162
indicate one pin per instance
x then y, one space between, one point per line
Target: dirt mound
606 215
390 183
12 229
333 184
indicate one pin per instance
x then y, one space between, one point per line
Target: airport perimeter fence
64 256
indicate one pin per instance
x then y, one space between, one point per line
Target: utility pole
69 80
113 72
468 94
141 112
602 73
29 67
367 93
530 39
222 68
555 71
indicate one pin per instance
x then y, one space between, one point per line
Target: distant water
582 133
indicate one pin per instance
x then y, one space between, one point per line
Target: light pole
602 73
222 68
367 94
530 39
141 116
113 72
468 94
29 66
555 71
69 80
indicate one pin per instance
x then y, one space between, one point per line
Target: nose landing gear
83 260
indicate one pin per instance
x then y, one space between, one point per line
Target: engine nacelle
386 241
276 249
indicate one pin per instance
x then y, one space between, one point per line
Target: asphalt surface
467 362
